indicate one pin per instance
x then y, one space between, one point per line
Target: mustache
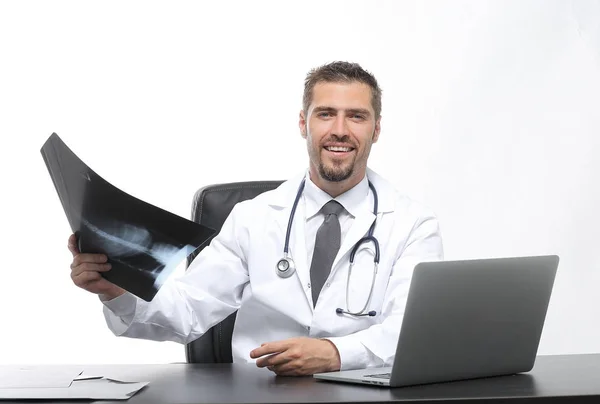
339 139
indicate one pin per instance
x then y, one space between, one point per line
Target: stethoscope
286 266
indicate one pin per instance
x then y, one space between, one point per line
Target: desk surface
554 379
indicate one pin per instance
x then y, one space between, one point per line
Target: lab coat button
328 284
308 286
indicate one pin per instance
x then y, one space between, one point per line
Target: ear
302 124
377 130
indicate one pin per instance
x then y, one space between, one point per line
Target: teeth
338 149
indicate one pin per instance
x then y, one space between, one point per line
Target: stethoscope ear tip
372 313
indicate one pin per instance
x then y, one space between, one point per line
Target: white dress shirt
315 198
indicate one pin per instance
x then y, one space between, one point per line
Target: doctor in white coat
279 324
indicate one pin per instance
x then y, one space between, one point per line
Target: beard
336 173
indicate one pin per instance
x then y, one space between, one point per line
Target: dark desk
554 379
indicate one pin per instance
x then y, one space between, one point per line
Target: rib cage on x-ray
135 247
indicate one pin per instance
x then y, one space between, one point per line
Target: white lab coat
237 272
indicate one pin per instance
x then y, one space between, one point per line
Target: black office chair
212 204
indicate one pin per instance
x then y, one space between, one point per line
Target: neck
335 189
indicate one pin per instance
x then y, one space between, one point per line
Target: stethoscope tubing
286 266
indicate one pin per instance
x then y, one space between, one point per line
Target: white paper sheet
12 377
93 389
106 375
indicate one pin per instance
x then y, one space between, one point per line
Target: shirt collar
315 198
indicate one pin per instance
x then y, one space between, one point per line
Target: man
298 322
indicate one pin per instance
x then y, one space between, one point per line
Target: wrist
111 294
335 362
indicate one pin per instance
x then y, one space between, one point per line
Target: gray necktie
327 244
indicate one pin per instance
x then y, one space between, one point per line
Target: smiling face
339 127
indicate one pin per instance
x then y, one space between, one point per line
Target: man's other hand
86 269
298 356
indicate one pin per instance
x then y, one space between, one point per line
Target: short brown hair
341 72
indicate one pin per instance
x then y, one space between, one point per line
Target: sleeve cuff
121 306
353 354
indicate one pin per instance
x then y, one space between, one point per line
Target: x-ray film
144 243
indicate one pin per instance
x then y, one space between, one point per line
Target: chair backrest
212 204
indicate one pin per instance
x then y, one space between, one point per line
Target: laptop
467 319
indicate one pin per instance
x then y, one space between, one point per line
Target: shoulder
411 224
393 200
272 200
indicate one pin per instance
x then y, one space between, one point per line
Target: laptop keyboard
381 375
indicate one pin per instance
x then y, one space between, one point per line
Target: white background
491 116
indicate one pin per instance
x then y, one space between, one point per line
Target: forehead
353 95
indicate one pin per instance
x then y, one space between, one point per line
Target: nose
340 127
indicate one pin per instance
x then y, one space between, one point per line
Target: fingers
292 368
86 268
86 277
273 360
72 245
298 356
93 282
292 371
89 267
270 348
88 263
80 259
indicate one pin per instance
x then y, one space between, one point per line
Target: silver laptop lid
474 318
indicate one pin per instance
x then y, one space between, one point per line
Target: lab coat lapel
358 230
365 217
297 247
282 199
299 253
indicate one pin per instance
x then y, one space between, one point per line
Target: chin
335 174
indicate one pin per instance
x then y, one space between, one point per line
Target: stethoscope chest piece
285 267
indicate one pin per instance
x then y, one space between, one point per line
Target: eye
324 114
359 117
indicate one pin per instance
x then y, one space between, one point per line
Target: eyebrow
350 111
